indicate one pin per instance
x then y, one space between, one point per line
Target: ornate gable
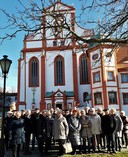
60 6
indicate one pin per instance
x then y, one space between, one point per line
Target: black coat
28 125
17 129
7 125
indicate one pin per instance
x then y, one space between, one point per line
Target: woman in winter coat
86 132
60 130
17 135
74 131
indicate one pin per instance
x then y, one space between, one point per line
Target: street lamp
5 64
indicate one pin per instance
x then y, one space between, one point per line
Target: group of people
88 130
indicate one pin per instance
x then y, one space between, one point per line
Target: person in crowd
74 131
23 113
67 115
49 135
106 128
117 134
125 129
60 130
28 131
12 106
87 110
41 131
86 133
100 112
34 116
96 129
7 126
17 134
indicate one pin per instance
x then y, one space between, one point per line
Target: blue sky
13 47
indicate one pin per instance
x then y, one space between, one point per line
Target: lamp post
5 64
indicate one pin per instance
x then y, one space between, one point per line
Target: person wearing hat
74 131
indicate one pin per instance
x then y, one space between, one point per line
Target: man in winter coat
117 134
60 130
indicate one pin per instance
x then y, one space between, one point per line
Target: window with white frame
112 97
98 98
125 98
110 76
124 77
96 77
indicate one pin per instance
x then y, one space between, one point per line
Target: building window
125 98
85 94
34 72
112 97
110 76
96 77
124 78
98 98
54 43
84 69
59 70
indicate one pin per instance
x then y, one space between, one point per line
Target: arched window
59 70
84 69
34 72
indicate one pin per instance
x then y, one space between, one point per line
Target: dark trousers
48 144
27 142
112 142
96 139
40 144
16 150
33 140
61 149
7 141
86 146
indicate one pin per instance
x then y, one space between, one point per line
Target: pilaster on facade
75 78
42 80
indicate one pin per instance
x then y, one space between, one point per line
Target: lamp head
5 64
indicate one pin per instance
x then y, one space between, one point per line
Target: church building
54 70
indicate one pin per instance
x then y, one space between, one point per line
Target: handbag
67 147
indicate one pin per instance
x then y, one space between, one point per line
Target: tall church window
34 72
59 70
84 69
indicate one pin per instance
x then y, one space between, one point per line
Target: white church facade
55 71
